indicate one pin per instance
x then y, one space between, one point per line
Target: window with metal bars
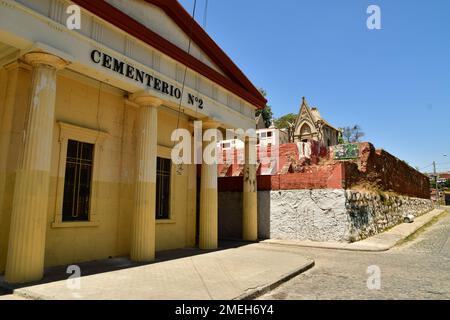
78 181
163 169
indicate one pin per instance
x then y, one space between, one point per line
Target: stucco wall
86 103
338 215
319 214
230 215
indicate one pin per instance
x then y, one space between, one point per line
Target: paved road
418 269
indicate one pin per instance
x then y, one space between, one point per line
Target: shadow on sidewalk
59 273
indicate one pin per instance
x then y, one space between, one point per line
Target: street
417 269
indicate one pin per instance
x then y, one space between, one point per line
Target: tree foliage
266 113
447 184
286 121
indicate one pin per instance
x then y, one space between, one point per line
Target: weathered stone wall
338 215
371 213
319 214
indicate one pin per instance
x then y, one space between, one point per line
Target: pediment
167 26
157 20
305 116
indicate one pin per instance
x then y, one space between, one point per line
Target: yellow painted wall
86 103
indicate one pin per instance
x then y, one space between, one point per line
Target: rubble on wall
371 170
379 170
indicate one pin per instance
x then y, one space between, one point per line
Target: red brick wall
380 169
314 177
374 169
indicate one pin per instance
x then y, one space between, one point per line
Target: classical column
143 225
208 238
191 223
26 248
250 208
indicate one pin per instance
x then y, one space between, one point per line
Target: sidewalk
237 273
380 242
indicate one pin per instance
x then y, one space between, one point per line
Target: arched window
305 130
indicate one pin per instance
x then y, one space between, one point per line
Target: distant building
272 136
311 125
260 124
444 177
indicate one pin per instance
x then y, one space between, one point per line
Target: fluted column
208 238
143 225
250 206
26 248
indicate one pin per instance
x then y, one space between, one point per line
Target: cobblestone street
417 269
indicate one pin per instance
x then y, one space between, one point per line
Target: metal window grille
78 181
163 171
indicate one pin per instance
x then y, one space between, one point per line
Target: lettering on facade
142 77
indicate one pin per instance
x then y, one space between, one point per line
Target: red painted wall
375 169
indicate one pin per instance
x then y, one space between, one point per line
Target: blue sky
394 82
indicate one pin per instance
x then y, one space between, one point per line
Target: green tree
341 136
447 184
267 113
287 122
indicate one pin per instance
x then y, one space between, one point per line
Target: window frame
168 214
96 137
166 153
77 163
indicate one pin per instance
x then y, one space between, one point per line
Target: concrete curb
269 267
251 294
378 243
254 293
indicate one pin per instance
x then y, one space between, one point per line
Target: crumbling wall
333 200
338 215
379 170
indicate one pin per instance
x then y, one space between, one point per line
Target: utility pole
436 180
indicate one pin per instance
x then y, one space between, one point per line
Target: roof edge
119 19
184 20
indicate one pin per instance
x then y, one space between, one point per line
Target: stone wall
338 215
371 170
379 170
319 214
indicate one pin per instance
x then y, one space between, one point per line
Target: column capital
44 58
144 99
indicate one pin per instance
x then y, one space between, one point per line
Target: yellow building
86 117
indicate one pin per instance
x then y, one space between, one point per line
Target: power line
186 68
205 14
426 167
437 164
